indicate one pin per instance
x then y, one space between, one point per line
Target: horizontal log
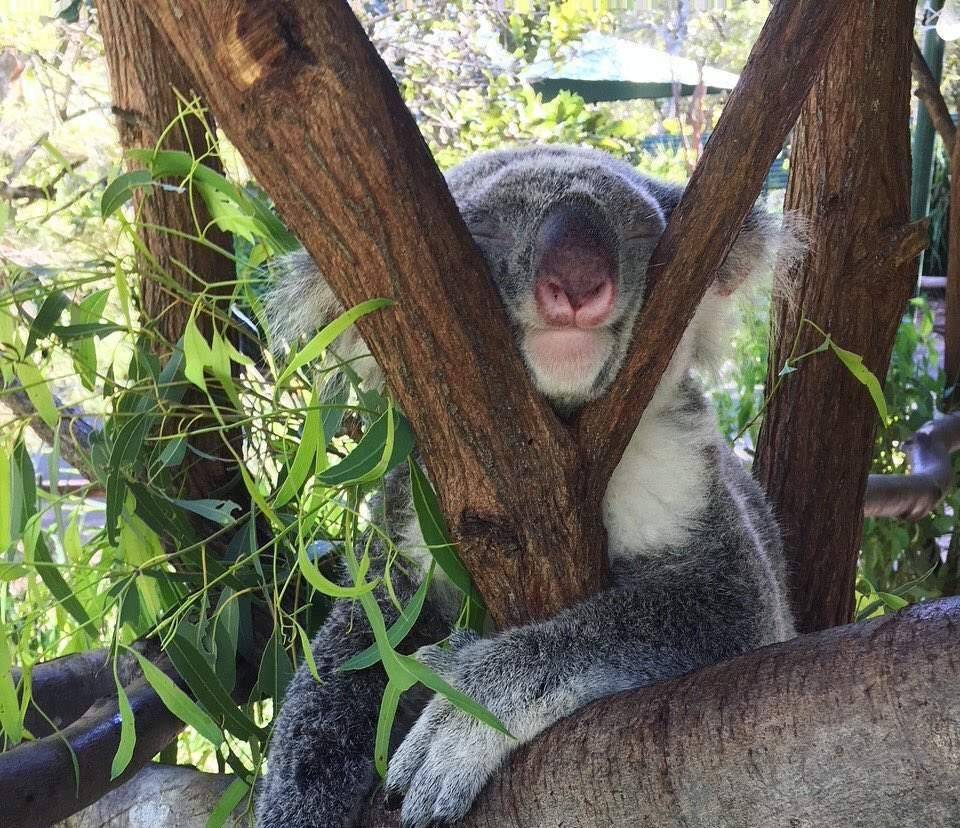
852 727
39 782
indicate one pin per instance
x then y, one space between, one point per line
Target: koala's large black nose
576 267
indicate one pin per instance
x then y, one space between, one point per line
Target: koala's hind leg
320 768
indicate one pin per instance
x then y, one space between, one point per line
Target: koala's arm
660 620
320 768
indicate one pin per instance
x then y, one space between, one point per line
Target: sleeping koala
695 557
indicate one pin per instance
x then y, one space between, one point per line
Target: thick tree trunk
145 76
301 91
856 727
849 178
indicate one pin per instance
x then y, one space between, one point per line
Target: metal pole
923 133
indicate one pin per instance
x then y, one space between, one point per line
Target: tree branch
63 689
928 91
774 738
319 120
776 735
160 795
39 783
75 428
786 59
849 180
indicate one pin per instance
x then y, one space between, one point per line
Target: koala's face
567 234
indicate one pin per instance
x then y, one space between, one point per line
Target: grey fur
697 568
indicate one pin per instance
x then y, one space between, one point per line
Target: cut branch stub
784 63
305 97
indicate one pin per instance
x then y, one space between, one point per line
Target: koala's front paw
448 756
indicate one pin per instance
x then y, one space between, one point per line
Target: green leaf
226 637
120 190
50 575
854 364
430 679
231 798
127 447
208 689
398 630
85 330
178 702
311 441
216 511
10 721
324 585
308 654
434 530
388 713
48 315
6 499
197 353
37 391
275 672
128 734
316 346
386 443
894 602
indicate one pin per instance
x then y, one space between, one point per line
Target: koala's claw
443 764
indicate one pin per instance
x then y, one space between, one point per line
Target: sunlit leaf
388 712
128 734
119 191
854 364
231 798
10 721
37 391
316 346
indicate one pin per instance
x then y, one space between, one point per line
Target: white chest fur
652 501
659 487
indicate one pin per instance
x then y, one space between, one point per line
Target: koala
696 567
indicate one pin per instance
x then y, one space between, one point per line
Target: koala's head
567 234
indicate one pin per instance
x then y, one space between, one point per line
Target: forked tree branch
305 97
303 94
786 59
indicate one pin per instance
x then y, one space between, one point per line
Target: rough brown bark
789 52
853 727
317 116
850 179
145 75
848 728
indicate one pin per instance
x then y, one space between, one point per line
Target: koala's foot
448 756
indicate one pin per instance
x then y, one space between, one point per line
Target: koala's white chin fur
566 363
